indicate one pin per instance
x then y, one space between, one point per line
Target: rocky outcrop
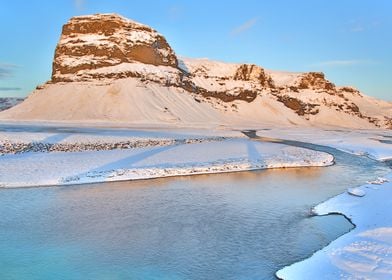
350 90
252 72
243 95
92 42
298 106
223 95
315 81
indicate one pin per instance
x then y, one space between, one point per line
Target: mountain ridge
99 54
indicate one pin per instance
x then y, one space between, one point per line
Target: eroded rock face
298 106
351 90
252 72
315 81
92 42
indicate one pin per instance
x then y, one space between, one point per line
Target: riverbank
366 251
363 253
64 158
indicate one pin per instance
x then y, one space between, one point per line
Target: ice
378 181
356 192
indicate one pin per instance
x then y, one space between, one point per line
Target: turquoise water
237 226
226 226
233 226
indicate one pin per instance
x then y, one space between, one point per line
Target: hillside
107 68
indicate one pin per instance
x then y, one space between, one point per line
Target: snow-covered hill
110 69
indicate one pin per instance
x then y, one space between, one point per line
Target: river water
227 226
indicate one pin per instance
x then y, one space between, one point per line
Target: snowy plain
373 143
171 154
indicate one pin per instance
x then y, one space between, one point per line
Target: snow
217 69
127 101
155 95
373 143
363 253
133 102
140 36
366 251
100 16
138 101
235 154
378 181
155 72
282 78
159 74
212 84
83 39
88 59
356 192
217 76
210 68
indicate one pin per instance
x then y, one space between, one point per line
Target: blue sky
349 40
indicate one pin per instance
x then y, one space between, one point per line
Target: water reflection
227 226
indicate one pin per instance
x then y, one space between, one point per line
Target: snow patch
180 158
363 253
356 192
378 181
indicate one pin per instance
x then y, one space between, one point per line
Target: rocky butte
107 68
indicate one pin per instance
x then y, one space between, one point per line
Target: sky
349 40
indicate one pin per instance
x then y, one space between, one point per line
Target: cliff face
110 68
92 42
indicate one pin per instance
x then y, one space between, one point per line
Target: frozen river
229 226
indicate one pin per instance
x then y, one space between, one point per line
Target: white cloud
244 27
10 88
6 70
175 12
79 4
357 28
362 26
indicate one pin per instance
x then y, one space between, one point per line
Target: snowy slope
132 101
111 69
